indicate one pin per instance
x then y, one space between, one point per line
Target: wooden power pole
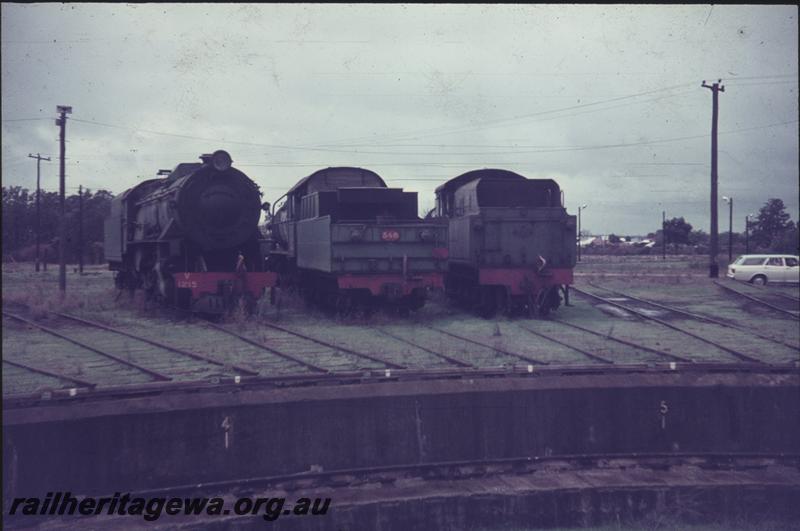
713 266
39 160
61 122
80 229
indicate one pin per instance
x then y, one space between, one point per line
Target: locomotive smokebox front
218 206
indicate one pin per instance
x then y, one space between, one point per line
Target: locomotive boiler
512 244
190 236
345 239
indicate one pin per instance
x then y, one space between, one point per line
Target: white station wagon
762 268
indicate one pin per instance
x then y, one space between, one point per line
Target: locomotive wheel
546 300
417 299
150 285
308 297
344 304
488 302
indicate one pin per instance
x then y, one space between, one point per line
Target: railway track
193 355
285 355
769 289
49 373
552 339
512 354
98 352
783 311
648 315
289 336
302 350
453 470
610 341
415 344
160 361
91 392
299 348
699 317
279 355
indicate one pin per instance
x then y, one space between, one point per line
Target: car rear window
753 261
775 262
791 262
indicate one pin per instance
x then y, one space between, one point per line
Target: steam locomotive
190 237
512 244
347 240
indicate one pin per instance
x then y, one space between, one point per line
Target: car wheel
759 280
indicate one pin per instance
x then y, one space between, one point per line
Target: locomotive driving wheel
150 284
491 300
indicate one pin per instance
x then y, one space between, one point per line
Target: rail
153 374
523 357
333 346
784 311
445 357
699 317
482 467
735 353
158 344
586 353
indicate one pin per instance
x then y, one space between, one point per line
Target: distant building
602 240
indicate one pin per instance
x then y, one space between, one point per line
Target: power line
569 115
574 148
24 119
544 150
757 84
735 77
447 130
429 132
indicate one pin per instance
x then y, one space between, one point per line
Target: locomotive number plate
390 235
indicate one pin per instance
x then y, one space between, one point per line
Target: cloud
418 93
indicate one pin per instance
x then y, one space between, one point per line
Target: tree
19 221
699 237
677 231
789 242
18 218
613 238
772 223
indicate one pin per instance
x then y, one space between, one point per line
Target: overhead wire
328 148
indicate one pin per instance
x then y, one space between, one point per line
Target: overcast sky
605 99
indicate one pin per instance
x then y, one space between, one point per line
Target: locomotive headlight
221 160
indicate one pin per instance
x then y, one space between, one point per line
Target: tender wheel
488 302
759 280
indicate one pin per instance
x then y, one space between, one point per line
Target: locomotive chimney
220 159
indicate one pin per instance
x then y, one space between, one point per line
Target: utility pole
713 266
80 229
663 234
729 200
579 231
39 160
747 233
61 122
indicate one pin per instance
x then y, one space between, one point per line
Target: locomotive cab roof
337 177
456 182
498 188
494 192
